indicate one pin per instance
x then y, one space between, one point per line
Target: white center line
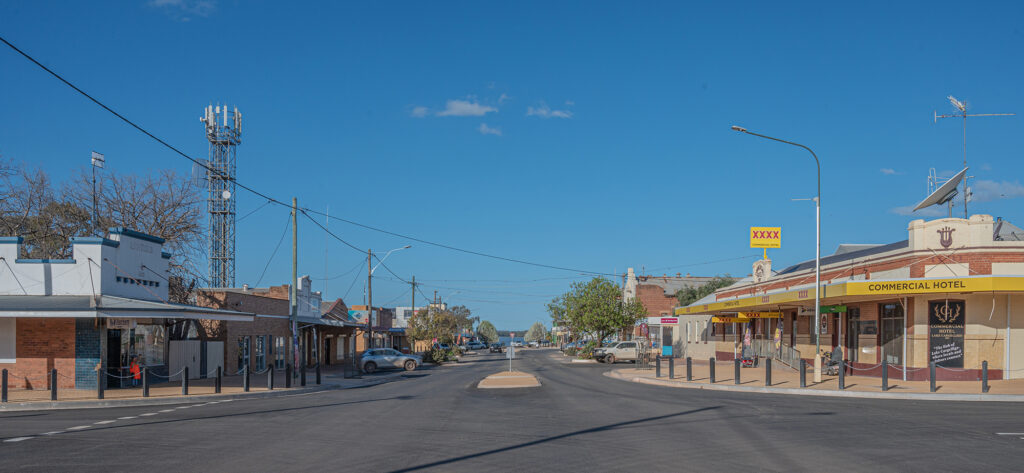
147 414
104 422
126 418
1009 433
167 410
18 439
55 432
183 407
79 427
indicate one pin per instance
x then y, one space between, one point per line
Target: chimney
679 274
245 287
687 274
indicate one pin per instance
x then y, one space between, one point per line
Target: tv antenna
961 112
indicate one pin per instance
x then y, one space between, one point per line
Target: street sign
828 309
766 237
669 320
666 350
729 320
760 315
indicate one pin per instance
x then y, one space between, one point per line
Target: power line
357 266
254 211
356 278
288 224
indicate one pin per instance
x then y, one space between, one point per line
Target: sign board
828 309
669 320
760 315
946 333
666 350
766 237
864 288
120 324
729 320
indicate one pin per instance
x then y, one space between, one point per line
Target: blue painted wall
87 353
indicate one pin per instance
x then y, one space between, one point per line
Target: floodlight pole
817 237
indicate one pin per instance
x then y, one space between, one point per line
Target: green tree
689 295
430 324
596 307
487 332
537 332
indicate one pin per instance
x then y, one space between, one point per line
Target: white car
476 345
384 358
517 344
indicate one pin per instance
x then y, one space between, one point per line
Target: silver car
385 358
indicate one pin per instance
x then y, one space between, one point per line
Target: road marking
79 427
1009 433
55 432
183 407
18 439
147 414
104 422
126 418
167 410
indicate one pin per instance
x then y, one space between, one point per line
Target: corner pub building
952 292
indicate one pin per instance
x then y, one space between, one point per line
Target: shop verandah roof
79 306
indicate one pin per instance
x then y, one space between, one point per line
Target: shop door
852 333
892 333
113 358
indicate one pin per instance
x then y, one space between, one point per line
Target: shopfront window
852 333
7 340
279 352
148 342
243 352
261 353
891 336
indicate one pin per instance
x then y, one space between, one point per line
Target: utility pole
369 297
411 347
97 162
293 294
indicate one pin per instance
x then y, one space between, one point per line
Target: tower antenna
224 132
961 112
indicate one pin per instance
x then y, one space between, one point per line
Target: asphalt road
579 420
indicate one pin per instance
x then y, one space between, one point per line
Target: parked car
386 358
517 344
476 345
620 351
497 348
534 344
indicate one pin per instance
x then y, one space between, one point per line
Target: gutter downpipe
905 340
1006 344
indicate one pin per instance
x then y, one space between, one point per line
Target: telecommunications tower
224 132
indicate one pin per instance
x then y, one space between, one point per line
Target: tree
464 318
487 332
689 295
596 307
430 324
536 333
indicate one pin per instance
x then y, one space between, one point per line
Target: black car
497 348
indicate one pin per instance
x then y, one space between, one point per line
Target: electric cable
288 223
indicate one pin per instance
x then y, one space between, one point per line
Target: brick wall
654 299
87 353
43 344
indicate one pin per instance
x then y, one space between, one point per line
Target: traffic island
509 379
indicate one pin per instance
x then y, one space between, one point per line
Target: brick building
658 293
951 293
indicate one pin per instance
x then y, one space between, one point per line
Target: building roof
1006 231
672 284
108 306
854 253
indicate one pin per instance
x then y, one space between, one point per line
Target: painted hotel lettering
916 286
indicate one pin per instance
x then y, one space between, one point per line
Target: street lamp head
739 129
406 246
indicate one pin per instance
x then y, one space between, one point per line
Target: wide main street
435 419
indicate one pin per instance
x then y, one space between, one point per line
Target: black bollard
803 373
53 384
220 380
842 375
736 371
318 374
99 383
767 371
184 381
885 375
711 367
984 376
689 369
931 375
145 382
657 366
288 375
270 378
302 375
245 378
671 367
3 385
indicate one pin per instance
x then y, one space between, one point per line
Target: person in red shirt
135 371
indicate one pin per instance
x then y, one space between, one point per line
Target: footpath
198 390
785 380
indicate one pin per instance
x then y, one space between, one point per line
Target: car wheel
410 365
370 367
609 359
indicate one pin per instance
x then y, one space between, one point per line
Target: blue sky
590 135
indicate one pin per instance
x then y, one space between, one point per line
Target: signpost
766 237
511 349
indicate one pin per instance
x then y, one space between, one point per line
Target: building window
243 352
261 353
279 352
8 350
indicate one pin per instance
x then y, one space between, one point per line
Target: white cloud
933 211
503 98
888 171
544 111
985 190
419 112
486 130
465 108
986 167
183 9
570 103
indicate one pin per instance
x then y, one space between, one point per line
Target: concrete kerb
820 392
162 401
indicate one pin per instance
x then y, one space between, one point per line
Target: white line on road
147 414
167 410
79 427
55 432
1009 433
126 418
18 439
104 422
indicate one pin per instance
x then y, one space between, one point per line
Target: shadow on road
556 437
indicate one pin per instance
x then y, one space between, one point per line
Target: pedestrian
135 371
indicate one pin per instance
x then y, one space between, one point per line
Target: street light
369 289
817 243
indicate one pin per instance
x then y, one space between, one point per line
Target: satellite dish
226 195
943 194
